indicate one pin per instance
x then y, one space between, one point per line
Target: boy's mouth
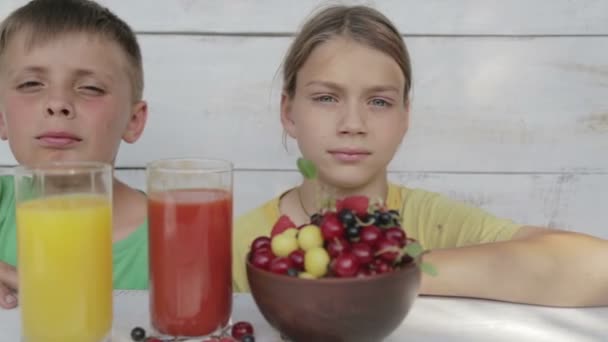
58 139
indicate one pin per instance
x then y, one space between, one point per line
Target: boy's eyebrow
79 72
32 69
335 86
89 72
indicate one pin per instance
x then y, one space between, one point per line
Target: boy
71 84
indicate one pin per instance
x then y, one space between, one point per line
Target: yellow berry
316 261
283 244
306 275
291 232
310 236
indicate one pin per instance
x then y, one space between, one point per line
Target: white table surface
430 319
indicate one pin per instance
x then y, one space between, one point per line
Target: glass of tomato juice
190 235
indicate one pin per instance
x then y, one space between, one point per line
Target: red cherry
331 227
388 250
396 234
297 258
241 329
262 258
370 235
259 242
363 252
280 265
345 265
337 246
380 266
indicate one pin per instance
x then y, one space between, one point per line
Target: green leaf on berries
307 168
413 249
428 269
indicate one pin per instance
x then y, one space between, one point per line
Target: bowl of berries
350 274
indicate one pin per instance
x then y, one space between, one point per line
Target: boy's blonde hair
43 20
363 24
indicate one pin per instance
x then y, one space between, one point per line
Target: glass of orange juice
64 234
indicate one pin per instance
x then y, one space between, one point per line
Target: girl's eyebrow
337 87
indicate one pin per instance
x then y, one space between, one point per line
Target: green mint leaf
414 249
428 269
307 168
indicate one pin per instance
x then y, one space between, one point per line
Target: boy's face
67 99
348 113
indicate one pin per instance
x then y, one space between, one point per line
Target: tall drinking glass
190 235
64 233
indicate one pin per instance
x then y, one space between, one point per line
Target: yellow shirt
433 219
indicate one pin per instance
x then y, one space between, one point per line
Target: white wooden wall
510 108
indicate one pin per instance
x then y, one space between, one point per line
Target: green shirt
130 255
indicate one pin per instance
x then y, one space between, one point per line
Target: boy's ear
137 122
3 128
286 117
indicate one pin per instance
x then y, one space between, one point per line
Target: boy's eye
92 90
380 103
29 85
325 98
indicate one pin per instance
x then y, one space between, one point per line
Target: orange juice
65 268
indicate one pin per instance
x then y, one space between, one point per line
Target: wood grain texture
438 17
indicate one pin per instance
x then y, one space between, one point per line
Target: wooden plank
479 104
443 17
568 201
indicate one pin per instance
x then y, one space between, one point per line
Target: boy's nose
60 108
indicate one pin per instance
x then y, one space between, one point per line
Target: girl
346 85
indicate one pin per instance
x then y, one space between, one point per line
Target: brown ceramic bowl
335 309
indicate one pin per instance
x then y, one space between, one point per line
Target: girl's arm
538 266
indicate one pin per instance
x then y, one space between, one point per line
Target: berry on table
248 338
241 329
138 334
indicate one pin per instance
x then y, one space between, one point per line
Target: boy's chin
60 157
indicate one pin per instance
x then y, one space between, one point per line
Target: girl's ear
286 115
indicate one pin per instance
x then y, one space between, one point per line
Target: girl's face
348 113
